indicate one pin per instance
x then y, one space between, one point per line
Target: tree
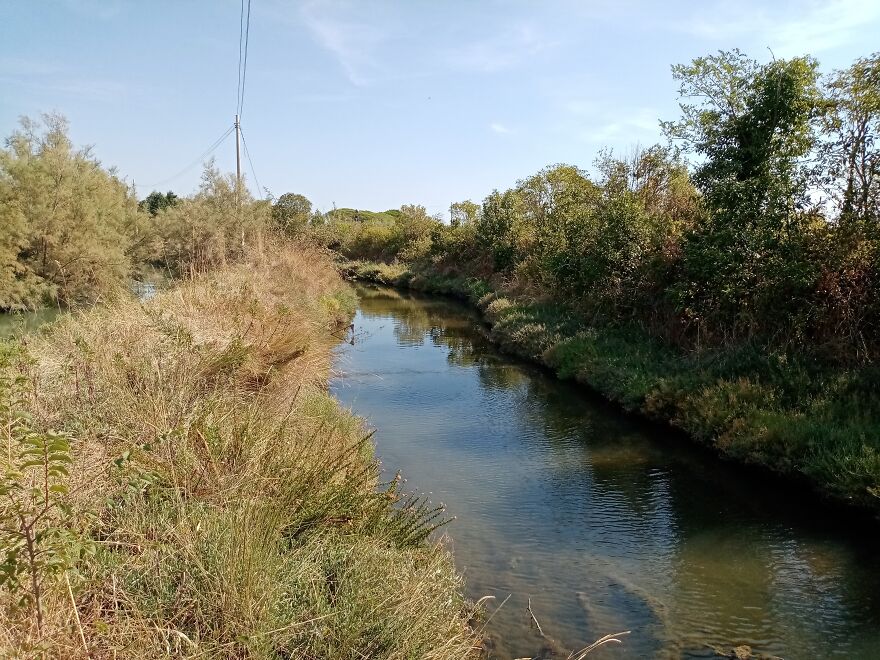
463 213
495 228
217 224
68 219
156 202
753 125
851 156
292 212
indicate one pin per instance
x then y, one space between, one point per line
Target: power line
244 32
240 43
198 160
247 153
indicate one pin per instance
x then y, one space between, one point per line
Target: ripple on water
603 522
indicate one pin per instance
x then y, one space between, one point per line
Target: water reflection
605 523
20 323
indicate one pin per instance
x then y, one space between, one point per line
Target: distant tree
464 213
212 227
292 212
156 202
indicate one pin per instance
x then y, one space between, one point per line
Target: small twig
82 635
532 614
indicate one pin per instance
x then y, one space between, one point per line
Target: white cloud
789 30
501 129
353 43
501 51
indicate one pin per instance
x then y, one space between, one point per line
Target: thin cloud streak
351 42
819 27
501 51
633 129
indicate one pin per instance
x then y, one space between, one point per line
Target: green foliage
37 534
464 213
739 300
156 201
291 213
65 219
754 126
387 236
495 228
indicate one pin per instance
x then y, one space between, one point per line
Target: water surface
604 522
19 323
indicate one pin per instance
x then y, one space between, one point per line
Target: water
606 523
16 324
19 323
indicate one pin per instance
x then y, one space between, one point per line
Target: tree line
759 220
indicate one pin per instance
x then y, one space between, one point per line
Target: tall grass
221 504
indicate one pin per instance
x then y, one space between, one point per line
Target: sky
374 104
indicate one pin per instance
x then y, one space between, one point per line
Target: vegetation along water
600 522
729 298
176 480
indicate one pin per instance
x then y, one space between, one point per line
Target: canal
602 522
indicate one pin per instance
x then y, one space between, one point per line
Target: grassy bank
177 482
791 413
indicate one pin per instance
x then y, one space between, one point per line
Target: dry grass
227 506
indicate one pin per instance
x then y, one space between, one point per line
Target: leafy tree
753 125
68 219
851 154
463 213
412 230
292 212
156 202
495 228
555 208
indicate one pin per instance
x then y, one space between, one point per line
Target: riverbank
179 481
792 414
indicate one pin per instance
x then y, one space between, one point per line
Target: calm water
19 323
12 325
606 524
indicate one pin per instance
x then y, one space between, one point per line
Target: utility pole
238 176
237 155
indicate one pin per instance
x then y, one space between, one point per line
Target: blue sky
373 104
